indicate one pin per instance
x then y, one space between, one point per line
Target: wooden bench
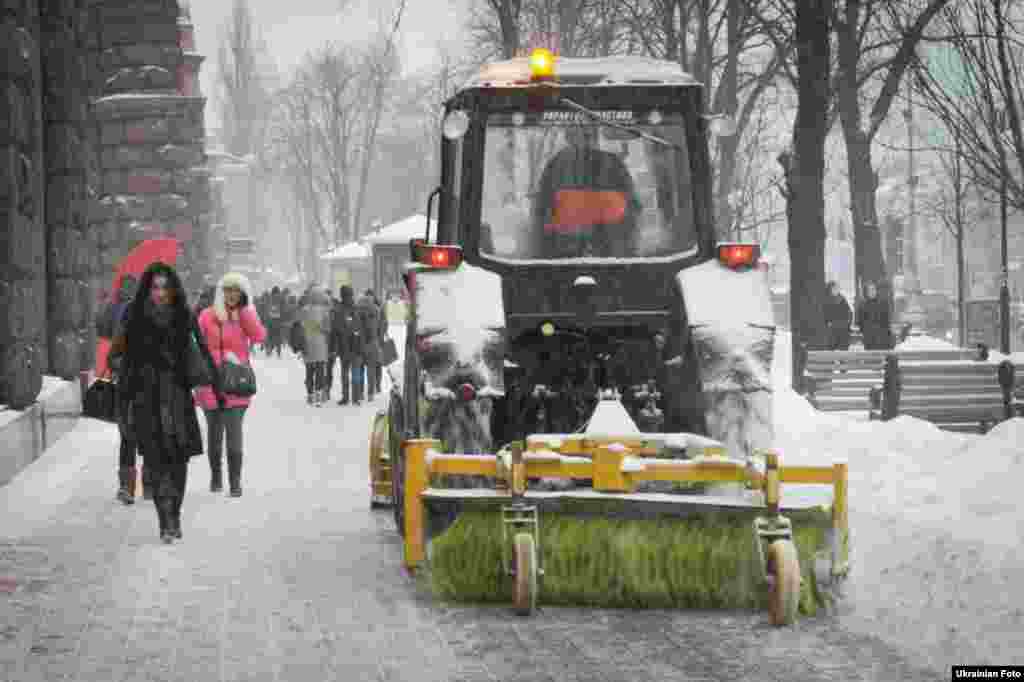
841 380
963 396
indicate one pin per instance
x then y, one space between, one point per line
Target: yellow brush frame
604 466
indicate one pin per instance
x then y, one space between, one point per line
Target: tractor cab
573 192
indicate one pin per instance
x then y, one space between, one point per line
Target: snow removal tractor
582 413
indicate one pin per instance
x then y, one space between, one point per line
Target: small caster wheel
784 591
525 589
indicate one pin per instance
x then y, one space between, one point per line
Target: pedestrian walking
151 355
109 324
231 327
838 317
345 330
332 348
873 320
383 331
275 321
315 316
369 314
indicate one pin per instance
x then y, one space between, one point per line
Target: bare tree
293 153
804 168
381 68
241 79
877 40
973 87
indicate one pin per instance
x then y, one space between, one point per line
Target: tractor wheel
398 487
525 590
784 594
378 442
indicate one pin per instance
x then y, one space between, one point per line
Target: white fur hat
232 279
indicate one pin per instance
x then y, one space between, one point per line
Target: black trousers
345 377
225 424
315 376
329 373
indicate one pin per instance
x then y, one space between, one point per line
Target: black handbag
101 401
200 363
388 351
235 379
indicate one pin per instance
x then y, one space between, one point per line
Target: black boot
235 473
175 519
125 483
163 512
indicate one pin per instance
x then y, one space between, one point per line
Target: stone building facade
101 147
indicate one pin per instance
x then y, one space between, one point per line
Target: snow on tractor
583 360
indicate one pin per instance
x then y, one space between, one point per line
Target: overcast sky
291 27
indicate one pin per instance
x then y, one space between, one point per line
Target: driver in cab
586 201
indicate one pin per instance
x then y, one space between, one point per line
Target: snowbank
926 343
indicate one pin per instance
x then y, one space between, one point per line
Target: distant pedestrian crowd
329 333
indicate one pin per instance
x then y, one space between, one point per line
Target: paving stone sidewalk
298 580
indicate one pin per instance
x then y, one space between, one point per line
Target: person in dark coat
838 317
370 342
873 320
345 336
151 356
275 322
382 331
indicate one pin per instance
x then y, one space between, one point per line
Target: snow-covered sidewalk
936 524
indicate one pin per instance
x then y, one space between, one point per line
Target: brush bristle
701 562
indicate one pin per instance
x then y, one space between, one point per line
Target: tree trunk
806 209
370 142
727 99
869 264
508 19
867 245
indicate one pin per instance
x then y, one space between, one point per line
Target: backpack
297 337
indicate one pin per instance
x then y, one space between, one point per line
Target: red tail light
435 255
738 256
467 392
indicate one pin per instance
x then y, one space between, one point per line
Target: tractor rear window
558 187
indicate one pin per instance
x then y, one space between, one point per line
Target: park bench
840 381
965 396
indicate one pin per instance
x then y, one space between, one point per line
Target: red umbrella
135 263
144 255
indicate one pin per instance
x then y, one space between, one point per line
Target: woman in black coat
151 353
838 317
873 320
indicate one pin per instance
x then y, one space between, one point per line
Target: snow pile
467 324
926 343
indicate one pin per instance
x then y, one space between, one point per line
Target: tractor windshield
559 184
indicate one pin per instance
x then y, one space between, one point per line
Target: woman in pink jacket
231 327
